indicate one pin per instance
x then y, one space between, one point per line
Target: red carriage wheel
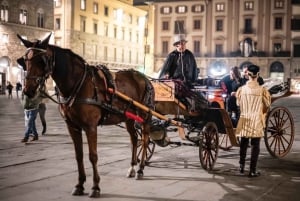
279 132
209 146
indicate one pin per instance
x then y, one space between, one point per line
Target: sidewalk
46 170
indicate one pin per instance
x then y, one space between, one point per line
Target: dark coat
173 66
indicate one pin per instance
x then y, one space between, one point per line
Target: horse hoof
78 191
95 193
130 173
139 175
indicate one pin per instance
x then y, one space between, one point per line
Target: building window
130 35
4 13
115 32
220 7
105 53
198 8
179 27
57 23
277 48
295 25
219 50
57 3
181 9
248 26
249 5
130 56
23 16
165 10
137 37
197 24
106 29
115 54
165 25
123 33
40 20
278 23
147 49
219 25
82 4
279 4
83 49
95 8
95 28
106 11
165 47
82 23
197 48
130 19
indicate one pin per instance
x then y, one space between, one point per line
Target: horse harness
101 70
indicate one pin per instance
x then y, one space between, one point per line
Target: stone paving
46 170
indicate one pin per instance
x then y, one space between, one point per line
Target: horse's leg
144 145
134 140
92 142
76 136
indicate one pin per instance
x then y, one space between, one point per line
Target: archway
277 70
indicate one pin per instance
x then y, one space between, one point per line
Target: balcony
248 31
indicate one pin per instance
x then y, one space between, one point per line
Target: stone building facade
32 19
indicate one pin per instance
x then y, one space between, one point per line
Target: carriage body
279 131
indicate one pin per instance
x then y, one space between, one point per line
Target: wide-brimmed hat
253 70
179 38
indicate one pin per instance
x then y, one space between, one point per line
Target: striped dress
254 101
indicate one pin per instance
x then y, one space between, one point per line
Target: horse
86 100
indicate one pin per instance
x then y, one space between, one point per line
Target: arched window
40 18
23 14
4 11
277 70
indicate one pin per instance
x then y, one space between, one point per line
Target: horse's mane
61 50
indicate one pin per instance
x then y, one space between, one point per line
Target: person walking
31 108
42 114
9 88
254 101
18 88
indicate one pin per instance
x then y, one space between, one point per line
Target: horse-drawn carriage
89 96
212 128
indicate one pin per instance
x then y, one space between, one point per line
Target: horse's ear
25 42
44 43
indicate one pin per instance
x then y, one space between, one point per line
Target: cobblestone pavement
46 170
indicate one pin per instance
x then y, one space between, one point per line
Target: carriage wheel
209 146
279 132
224 142
150 148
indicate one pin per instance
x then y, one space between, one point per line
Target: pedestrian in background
9 88
42 112
31 108
18 88
254 101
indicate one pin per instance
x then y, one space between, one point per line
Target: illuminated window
197 8
249 5
166 10
220 7
23 16
4 13
279 4
95 8
181 9
82 4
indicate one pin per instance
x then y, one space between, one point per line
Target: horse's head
36 64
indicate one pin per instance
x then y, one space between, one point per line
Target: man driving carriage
180 66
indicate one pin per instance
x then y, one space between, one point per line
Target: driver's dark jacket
173 66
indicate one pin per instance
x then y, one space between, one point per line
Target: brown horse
85 101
